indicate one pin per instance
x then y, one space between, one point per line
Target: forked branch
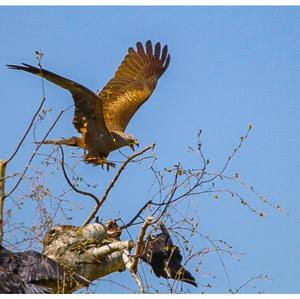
114 180
94 197
34 154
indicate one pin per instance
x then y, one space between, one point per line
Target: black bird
165 258
30 272
12 283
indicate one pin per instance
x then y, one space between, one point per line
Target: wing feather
157 51
88 116
133 83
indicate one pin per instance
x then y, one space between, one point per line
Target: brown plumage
102 119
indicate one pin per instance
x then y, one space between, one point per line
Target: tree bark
92 251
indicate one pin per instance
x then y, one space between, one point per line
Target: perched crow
165 258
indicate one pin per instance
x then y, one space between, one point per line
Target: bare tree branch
94 197
139 247
142 209
114 180
128 264
248 282
34 153
235 150
29 127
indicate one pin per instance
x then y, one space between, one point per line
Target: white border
158 3
163 296
149 2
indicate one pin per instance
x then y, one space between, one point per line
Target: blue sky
230 66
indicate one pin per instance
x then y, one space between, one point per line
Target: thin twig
248 282
236 149
34 153
112 183
8 176
28 129
62 163
171 194
125 226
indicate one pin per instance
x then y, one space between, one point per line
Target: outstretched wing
133 83
11 283
88 118
33 272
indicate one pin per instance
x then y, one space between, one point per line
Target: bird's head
132 141
122 139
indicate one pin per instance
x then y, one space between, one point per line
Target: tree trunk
92 251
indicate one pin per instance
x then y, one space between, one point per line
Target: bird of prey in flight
102 118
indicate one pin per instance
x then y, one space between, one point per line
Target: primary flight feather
102 118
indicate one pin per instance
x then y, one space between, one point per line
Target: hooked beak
131 145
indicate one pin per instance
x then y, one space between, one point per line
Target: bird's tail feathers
186 276
74 141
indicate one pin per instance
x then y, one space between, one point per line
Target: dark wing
32 267
38 268
154 253
165 258
133 83
13 278
88 118
33 273
174 268
11 283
